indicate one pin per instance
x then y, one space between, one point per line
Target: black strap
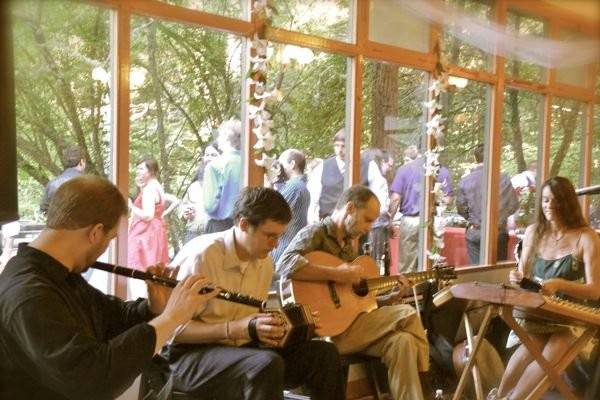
252 329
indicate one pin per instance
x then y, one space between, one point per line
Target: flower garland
261 97
435 128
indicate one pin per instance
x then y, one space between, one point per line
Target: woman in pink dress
147 243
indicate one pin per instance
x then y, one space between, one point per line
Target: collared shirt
470 198
316 237
60 338
54 184
296 194
409 181
222 182
217 260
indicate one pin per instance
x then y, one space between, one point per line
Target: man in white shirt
229 350
326 181
525 179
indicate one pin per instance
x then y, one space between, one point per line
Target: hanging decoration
261 96
435 129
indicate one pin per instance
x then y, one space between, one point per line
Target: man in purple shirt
406 195
469 204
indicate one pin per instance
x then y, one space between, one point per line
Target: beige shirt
218 261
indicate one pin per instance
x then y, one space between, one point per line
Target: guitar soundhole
361 289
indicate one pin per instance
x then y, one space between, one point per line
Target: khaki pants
395 334
409 240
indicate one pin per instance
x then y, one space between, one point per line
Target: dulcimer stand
500 301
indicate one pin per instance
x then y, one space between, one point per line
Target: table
455 247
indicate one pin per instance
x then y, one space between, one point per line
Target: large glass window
311 113
393 134
521 135
457 52
185 85
331 19
467 125
390 24
577 75
566 155
526 26
63 104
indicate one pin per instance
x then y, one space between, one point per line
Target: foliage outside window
522 25
184 82
226 8
326 18
62 86
457 52
467 124
521 133
313 107
566 145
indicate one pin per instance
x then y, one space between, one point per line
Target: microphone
588 190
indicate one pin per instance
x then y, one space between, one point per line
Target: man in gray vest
326 182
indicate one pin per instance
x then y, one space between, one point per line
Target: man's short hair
258 204
232 132
84 201
359 195
298 157
72 156
478 152
340 136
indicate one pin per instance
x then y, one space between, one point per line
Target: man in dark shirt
74 162
59 337
469 205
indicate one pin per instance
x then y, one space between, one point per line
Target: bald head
293 162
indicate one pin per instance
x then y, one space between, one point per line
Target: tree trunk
385 103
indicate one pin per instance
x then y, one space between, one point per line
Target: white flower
262 95
265 161
433 105
267 143
260 46
254 111
436 258
436 87
262 130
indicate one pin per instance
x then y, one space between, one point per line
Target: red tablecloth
455 248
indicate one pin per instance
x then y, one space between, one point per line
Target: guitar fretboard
387 282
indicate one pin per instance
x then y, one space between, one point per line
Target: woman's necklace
558 237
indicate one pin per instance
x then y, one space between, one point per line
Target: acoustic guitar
339 304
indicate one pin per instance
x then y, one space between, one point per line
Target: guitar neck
387 282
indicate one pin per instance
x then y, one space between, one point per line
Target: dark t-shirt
60 338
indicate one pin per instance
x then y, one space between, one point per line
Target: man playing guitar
392 332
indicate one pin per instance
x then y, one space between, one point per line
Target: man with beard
392 332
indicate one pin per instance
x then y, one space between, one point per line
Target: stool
371 364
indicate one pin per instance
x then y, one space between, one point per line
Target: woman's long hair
566 208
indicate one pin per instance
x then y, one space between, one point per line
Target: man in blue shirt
222 178
296 194
469 205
